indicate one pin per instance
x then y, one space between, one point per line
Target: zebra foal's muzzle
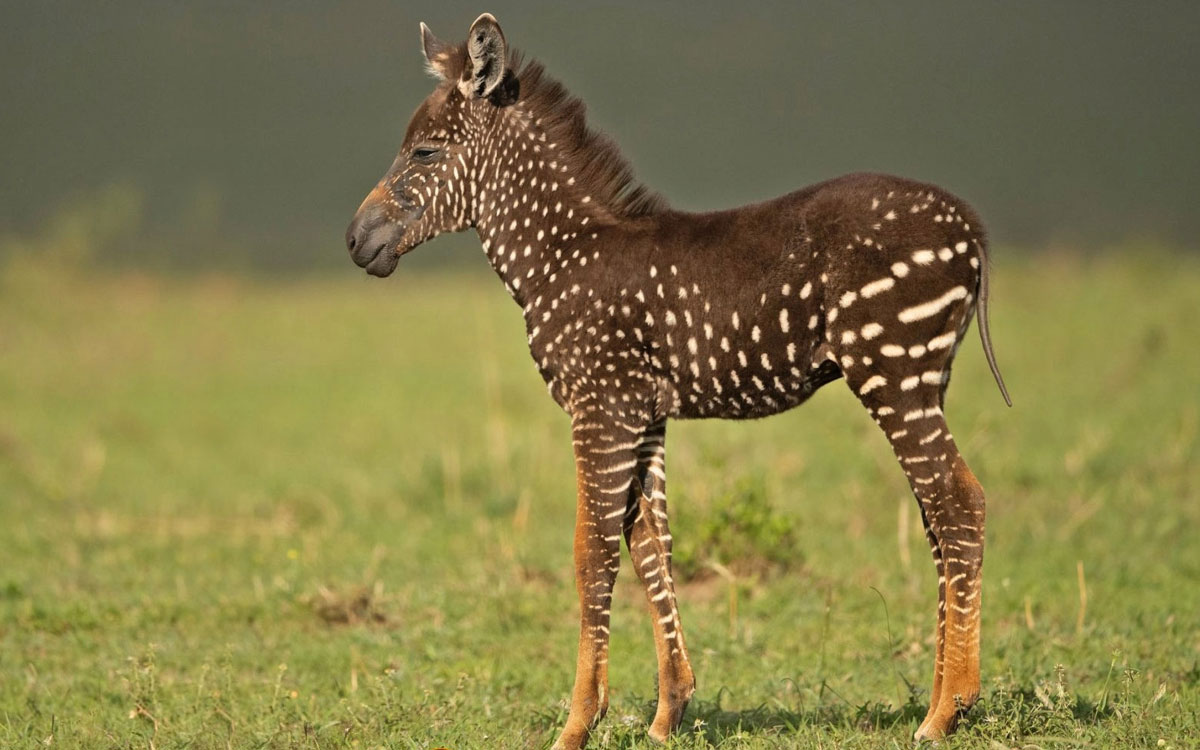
375 237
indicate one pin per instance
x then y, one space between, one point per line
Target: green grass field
338 513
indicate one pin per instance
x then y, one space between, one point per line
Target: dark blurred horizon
244 136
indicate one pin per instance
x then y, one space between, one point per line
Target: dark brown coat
637 313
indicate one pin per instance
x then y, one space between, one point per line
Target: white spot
875 287
945 253
960 248
916 350
909 383
806 290
875 381
927 309
923 257
871 330
891 350
916 414
848 299
783 320
900 269
943 342
848 337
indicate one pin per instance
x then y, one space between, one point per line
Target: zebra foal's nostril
359 231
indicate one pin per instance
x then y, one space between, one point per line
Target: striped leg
935 692
952 507
957 516
649 540
605 460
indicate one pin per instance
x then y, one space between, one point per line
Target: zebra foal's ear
488 54
437 54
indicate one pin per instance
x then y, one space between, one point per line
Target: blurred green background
245 134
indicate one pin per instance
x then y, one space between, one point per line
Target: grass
338 513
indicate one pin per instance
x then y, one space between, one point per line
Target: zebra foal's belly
747 384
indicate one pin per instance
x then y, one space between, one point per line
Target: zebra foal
637 313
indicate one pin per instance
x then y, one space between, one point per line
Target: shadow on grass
707 723
708 720
1018 711
1005 714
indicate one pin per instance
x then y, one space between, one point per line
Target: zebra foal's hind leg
649 541
952 508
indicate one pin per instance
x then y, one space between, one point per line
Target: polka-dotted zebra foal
638 313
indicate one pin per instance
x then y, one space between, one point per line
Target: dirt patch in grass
355 605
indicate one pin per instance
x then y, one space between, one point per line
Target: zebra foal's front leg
649 540
605 463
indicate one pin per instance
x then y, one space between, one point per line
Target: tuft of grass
742 533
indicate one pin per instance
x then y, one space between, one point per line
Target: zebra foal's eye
425 153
